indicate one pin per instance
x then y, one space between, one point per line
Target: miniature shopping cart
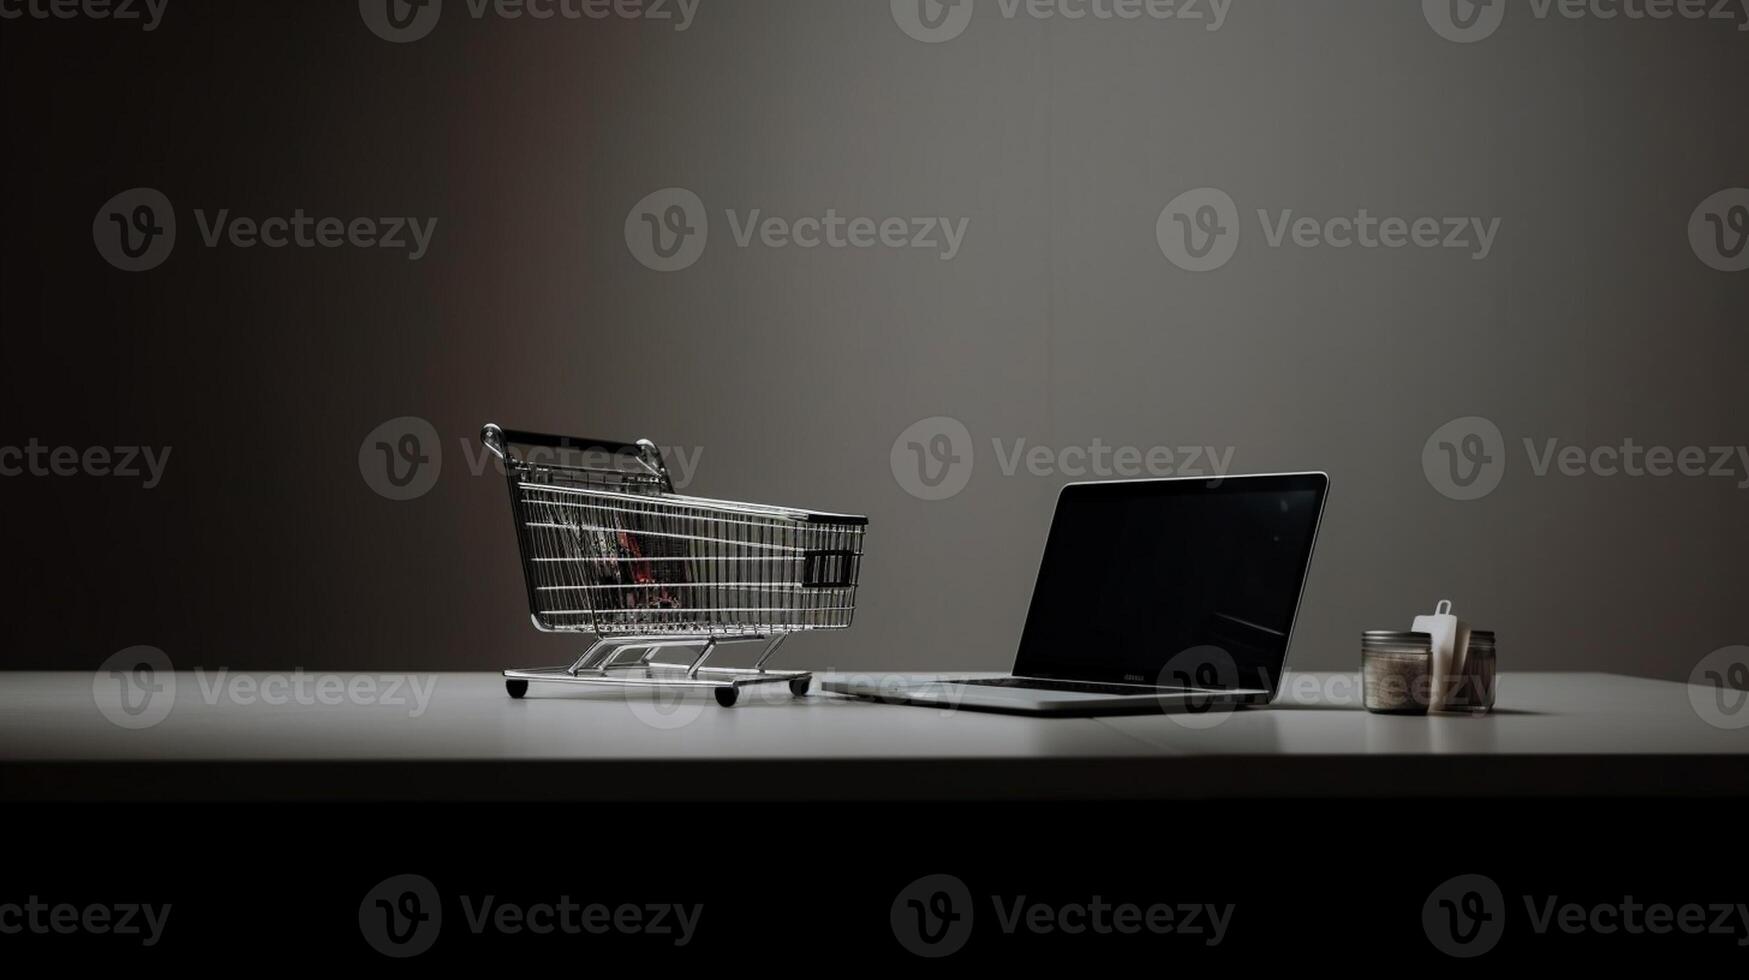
608 548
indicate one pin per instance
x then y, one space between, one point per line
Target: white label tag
1451 646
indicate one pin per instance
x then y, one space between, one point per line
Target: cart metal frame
802 566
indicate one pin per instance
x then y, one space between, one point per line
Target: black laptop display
1135 574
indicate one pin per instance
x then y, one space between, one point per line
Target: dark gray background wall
791 373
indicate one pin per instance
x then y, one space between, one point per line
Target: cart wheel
515 688
799 685
727 696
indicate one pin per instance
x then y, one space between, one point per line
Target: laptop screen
1173 582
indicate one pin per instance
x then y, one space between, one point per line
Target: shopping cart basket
608 548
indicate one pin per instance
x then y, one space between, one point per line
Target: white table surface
1554 734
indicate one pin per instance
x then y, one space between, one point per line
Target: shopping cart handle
499 440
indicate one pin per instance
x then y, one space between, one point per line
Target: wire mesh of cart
609 549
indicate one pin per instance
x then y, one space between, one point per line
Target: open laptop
1153 595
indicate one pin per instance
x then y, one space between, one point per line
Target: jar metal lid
1397 636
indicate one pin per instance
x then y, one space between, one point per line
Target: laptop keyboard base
1077 687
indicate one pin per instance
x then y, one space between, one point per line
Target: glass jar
1396 672
1473 690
